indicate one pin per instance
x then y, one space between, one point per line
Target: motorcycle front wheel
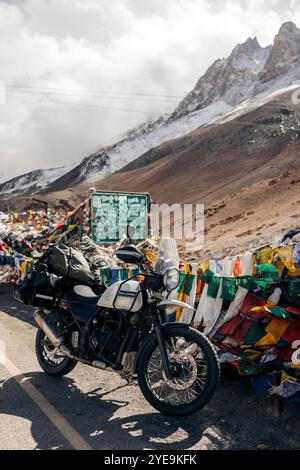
196 372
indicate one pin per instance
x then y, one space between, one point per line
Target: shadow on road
93 416
234 418
9 305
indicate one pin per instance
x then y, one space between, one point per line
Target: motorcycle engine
107 335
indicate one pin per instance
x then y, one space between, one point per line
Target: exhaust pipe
57 341
50 331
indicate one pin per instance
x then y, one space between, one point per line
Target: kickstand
130 378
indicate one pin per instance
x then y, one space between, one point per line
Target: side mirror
130 254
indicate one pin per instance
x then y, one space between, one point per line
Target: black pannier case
37 289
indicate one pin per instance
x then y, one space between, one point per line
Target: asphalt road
91 409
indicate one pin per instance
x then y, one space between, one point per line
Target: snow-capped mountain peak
249 73
232 79
249 56
33 181
285 51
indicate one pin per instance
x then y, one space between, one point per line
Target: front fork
163 350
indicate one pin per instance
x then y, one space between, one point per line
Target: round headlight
171 278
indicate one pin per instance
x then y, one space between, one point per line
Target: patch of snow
37 179
276 88
53 174
128 150
255 63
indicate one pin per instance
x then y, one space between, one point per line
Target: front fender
152 339
167 303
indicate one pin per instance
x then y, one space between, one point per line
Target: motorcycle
124 328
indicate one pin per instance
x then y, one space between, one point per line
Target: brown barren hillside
212 162
246 171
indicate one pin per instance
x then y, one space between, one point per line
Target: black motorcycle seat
84 294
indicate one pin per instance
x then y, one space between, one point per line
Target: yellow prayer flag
274 330
286 255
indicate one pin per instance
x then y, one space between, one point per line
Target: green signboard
111 213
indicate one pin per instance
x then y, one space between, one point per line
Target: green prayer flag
228 289
188 283
280 312
105 274
294 292
247 282
213 287
123 274
255 333
268 272
181 281
206 276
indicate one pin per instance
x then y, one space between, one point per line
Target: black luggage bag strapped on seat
65 261
37 289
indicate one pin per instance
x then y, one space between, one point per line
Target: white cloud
129 45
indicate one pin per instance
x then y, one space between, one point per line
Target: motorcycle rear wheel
195 361
49 362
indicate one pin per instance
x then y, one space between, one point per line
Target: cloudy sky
79 73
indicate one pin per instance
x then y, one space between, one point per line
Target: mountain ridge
248 73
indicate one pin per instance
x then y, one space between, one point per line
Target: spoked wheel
195 373
51 361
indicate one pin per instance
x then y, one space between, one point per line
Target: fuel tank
122 296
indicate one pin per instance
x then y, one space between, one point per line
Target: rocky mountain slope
246 171
245 168
237 84
250 70
34 181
